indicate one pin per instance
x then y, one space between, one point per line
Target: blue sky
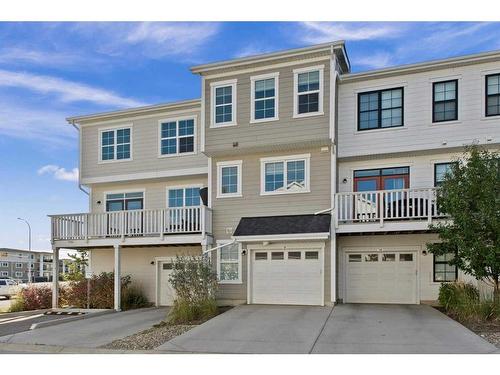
49 71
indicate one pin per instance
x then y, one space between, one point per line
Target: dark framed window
382 179
440 171
493 95
445 101
443 270
380 109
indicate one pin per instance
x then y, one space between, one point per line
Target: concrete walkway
346 328
92 332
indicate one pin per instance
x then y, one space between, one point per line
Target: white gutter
323 211
79 158
218 247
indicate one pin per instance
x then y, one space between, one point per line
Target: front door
165 290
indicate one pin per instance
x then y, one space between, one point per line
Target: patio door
125 202
180 219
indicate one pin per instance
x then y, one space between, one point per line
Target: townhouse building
16 263
305 183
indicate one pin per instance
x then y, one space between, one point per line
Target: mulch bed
155 336
489 331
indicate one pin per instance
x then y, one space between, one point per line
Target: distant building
15 263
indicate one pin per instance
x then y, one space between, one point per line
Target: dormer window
223 99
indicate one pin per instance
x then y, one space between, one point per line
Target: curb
69 319
23 313
57 349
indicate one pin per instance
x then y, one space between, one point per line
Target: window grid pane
445 101
177 137
380 109
493 95
264 99
115 140
295 174
229 177
229 263
274 176
223 104
308 90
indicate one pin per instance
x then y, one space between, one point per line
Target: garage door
381 277
288 277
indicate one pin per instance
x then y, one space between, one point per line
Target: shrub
101 294
462 300
195 285
33 297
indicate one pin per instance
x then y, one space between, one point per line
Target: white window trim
183 187
114 128
177 137
19 265
296 72
459 99
4 264
222 164
5 273
284 159
253 79
240 270
483 95
105 194
213 87
19 274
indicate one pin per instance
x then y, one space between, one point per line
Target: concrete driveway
346 328
92 332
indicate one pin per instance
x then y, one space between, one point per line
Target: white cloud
375 61
46 58
66 91
321 32
59 173
252 50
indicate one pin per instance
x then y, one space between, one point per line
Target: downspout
79 158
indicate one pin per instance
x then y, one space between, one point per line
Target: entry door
381 277
165 290
286 276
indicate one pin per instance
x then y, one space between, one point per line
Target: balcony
386 210
134 227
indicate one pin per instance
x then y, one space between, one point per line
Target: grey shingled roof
290 224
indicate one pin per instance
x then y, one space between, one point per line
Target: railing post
429 206
380 202
203 221
163 212
122 224
86 226
336 210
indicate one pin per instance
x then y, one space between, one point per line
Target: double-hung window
223 99
19 265
19 274
493 95
264 97
443 270
445 101
440 172
4 264
116 144
229 179
284 175
308 91
229 263
177 136
124 201
4 273
380 109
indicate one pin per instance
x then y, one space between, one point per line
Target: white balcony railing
386 205
133 223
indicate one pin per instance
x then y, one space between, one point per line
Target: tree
76 269
470 196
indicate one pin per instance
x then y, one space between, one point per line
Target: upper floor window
382 179
445 101
229 179
493 95
4 264
308 89
177 137
125 201
440 172
288 174
380 109
115 144
223 99
19 265
184 197
264 97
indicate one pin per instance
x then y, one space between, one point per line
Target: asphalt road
11 323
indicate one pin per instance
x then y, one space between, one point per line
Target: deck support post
55 277
117 284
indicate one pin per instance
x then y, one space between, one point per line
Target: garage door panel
384 277
291 280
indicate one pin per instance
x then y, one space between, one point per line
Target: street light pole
29 247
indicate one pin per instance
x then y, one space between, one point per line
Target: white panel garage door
287 277
381 277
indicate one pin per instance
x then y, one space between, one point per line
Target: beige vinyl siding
258 135
155 191
136 262
144 150
228 211
419 132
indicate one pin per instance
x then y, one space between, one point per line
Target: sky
50 71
